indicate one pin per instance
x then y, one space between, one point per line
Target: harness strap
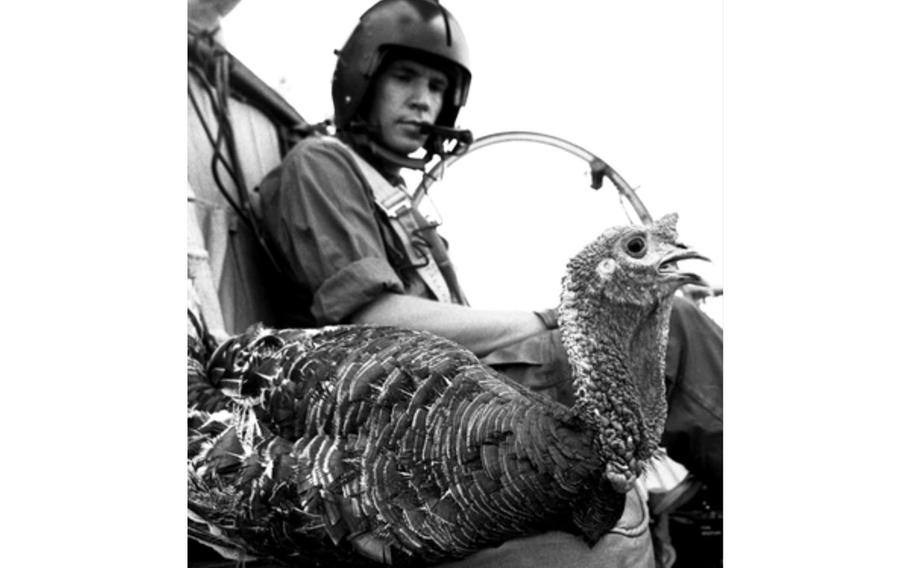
405 221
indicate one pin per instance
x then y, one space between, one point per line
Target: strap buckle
397 204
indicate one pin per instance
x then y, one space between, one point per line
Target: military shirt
318 212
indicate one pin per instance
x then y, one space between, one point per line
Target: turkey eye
636 247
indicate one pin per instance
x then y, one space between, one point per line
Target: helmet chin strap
397 159
365 135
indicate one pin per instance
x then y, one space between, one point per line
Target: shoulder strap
398 207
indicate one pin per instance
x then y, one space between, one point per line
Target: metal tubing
599 167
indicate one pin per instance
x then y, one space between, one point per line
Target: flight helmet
418 29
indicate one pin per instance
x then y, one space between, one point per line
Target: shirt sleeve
319 213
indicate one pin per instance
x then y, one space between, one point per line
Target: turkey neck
617 358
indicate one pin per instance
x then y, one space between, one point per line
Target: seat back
237 131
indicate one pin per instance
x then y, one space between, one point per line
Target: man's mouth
416 123
412 128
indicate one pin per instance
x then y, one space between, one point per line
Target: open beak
670 270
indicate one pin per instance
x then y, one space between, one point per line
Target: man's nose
420 96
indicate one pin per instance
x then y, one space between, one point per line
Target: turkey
363 446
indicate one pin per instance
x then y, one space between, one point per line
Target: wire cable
216 156
219 102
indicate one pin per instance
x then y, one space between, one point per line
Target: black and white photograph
431 322
461 282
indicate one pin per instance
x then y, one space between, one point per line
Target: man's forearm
481 331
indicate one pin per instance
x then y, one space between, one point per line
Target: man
354 251
322 198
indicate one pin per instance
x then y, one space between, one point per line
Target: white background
814 178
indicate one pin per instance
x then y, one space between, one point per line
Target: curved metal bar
599 168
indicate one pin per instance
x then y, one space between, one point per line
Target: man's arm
481 331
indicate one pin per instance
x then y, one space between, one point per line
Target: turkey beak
670 270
